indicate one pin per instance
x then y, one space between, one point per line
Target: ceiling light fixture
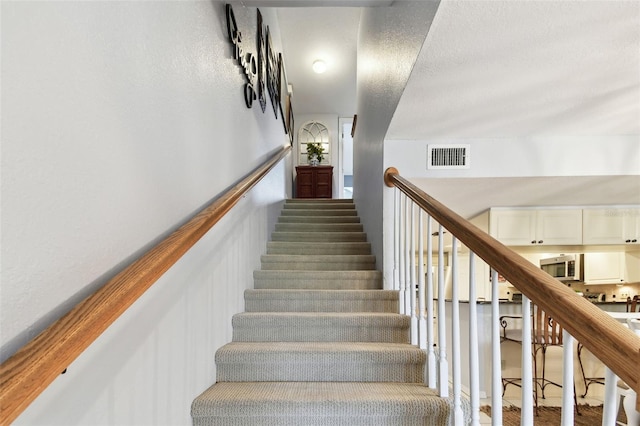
319 66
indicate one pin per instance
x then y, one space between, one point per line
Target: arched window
314 132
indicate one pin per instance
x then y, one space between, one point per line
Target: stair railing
612 343
33 367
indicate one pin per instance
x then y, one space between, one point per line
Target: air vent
448 156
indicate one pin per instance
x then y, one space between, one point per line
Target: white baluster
412 287
567 379
422 322
526 418
401 243
396 238
431 339
496 364
609 411
407 257
456 348
443 372
474 363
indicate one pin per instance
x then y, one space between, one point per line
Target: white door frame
341 122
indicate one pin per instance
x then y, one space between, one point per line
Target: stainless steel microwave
568 267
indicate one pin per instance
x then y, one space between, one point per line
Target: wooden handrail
30 370
611 342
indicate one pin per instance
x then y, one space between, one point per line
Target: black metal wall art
264 72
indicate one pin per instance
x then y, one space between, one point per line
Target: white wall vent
448 156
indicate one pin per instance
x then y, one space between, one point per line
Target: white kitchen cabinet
604 268
526 227
611 226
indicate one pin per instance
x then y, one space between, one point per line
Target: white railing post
527 365
422 323
610 403
474 363
396 238
567 379
443 373
401 242
496 364
456 348
407 256
431 340
412 288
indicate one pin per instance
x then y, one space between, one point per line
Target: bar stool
633 305
546 333
511 332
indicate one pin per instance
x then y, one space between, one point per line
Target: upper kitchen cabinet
611 226
527 227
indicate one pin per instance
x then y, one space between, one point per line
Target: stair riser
321 206
288 305
311 328
320 334
300 258
311 237
318 219
318 266
314 212
318 280
311 369
319 362
284 247
312 284
385 301
318 227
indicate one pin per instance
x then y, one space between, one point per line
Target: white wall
532 156
120 121
388 43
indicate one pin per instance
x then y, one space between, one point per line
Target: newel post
388 176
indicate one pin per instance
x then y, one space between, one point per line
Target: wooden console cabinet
314 181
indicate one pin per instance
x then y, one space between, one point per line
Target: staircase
320 342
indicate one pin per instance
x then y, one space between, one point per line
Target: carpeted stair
320 342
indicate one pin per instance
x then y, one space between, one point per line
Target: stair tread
320 398
278 293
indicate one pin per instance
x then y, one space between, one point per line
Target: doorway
345 179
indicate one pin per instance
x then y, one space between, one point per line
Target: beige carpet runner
320 342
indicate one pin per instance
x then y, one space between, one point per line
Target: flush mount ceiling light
319 66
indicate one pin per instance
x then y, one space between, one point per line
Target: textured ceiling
329 34
520 68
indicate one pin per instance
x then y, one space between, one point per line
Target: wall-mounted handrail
611 342
30 370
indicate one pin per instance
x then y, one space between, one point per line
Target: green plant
315 148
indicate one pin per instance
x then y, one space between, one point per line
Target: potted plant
314 153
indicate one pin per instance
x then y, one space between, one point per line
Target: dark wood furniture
314 181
